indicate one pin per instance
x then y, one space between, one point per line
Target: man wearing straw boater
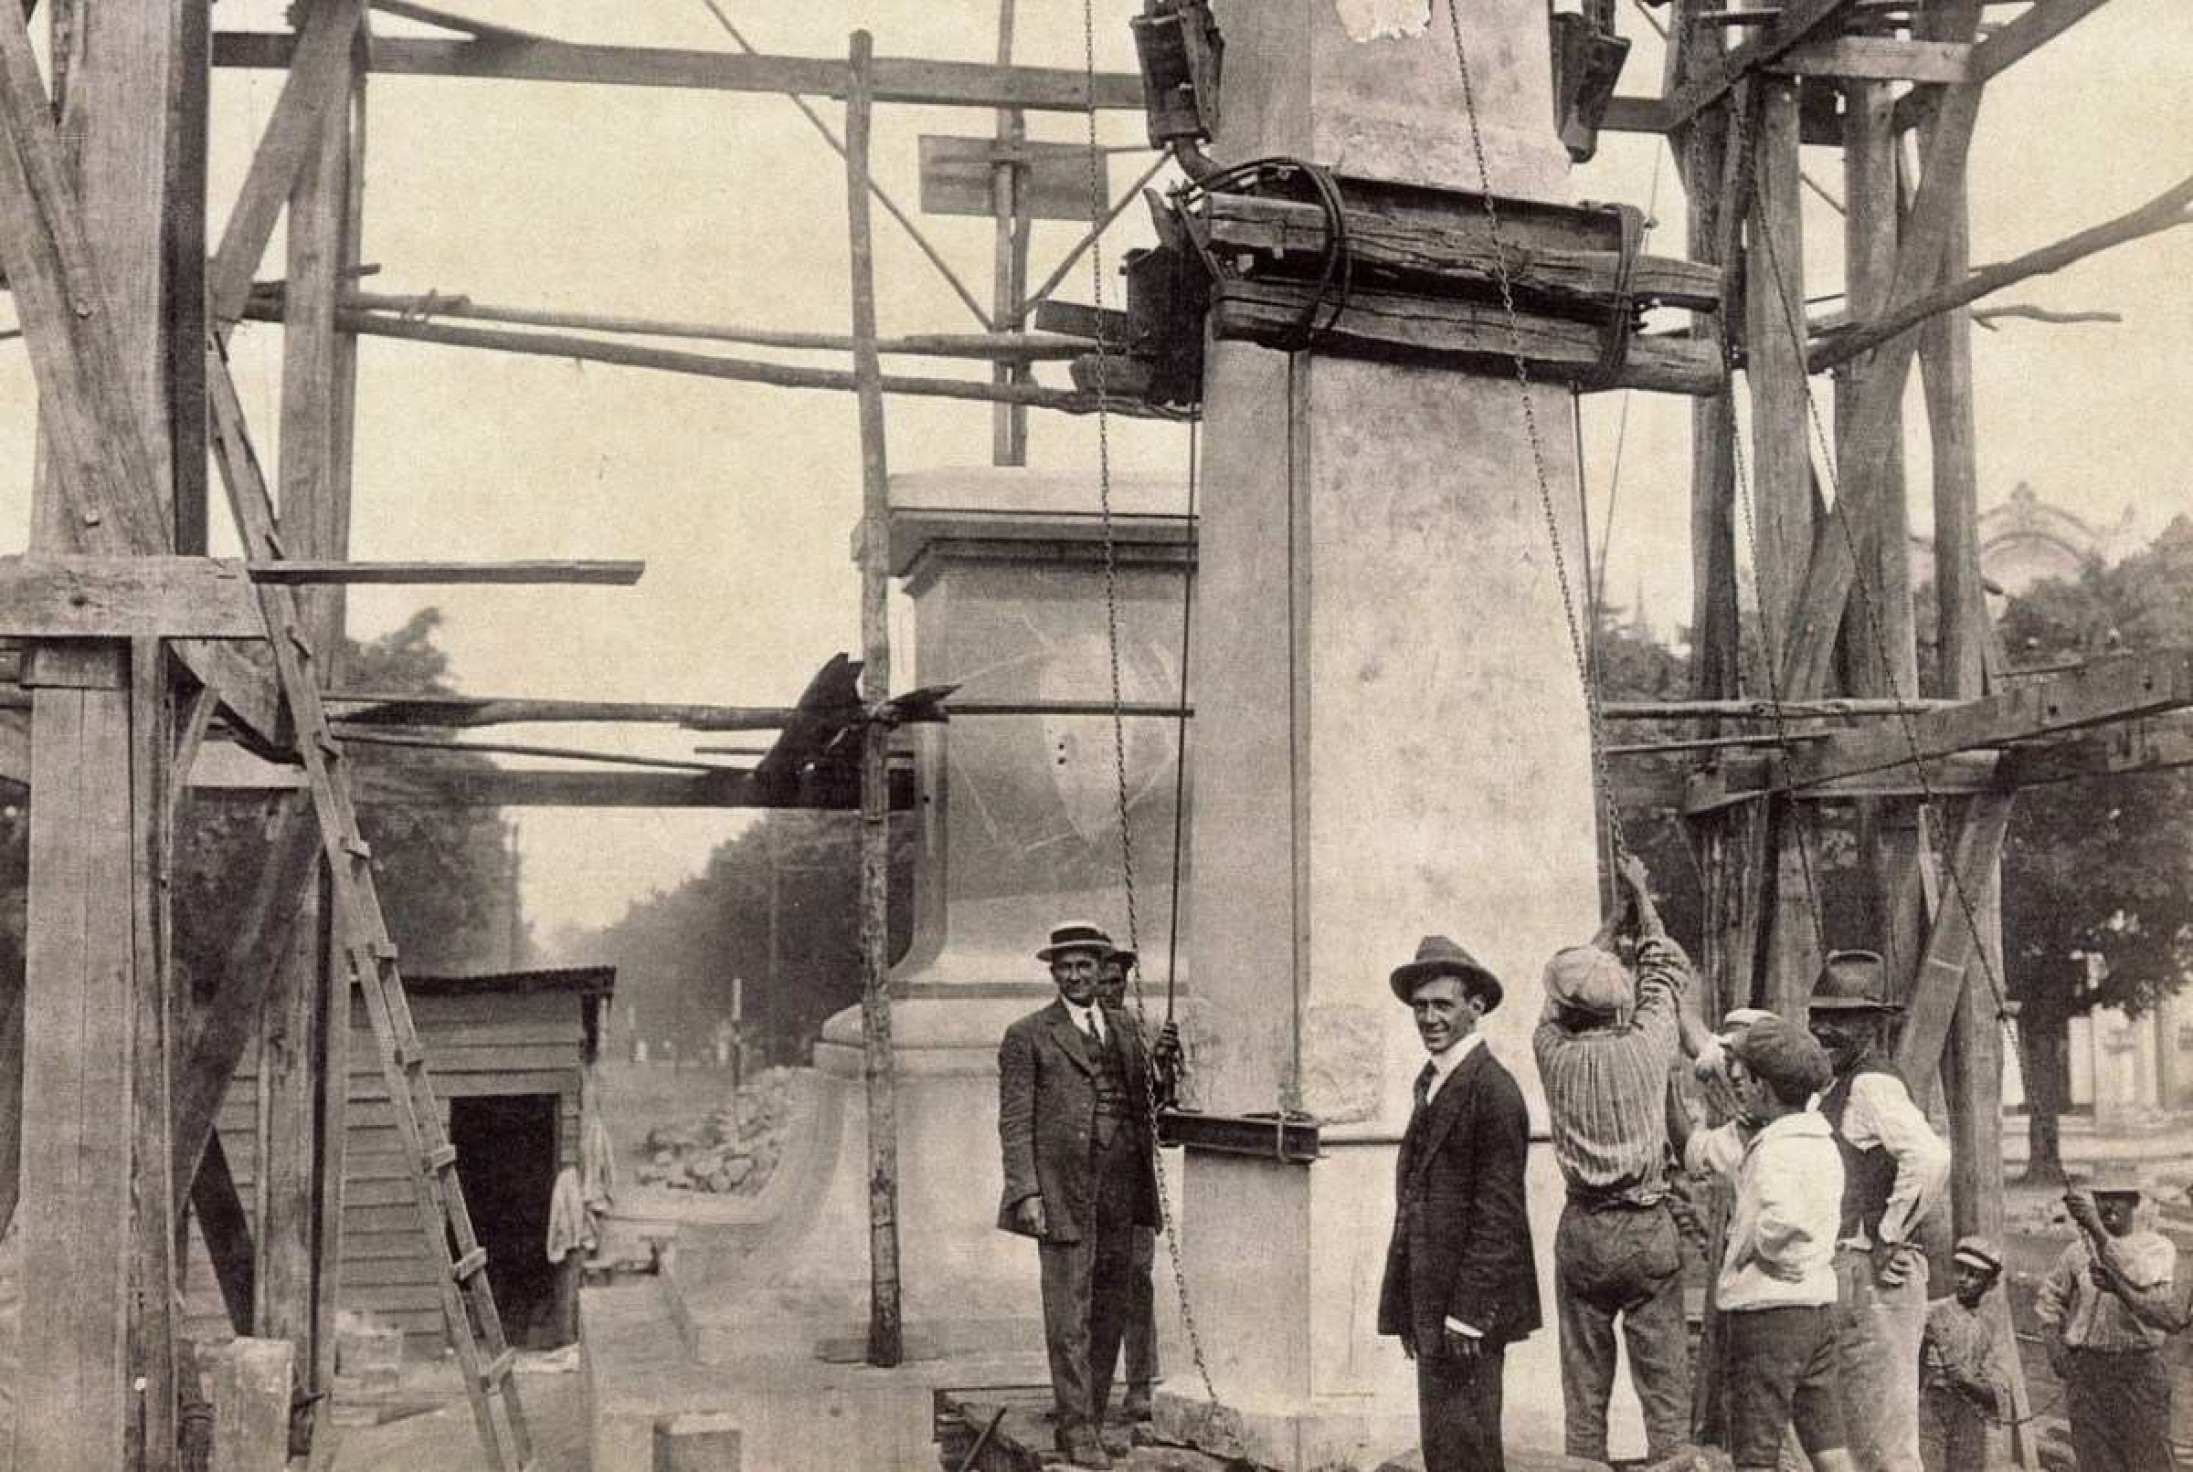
1460 1285
2116 1385
1079 1174
1895 1171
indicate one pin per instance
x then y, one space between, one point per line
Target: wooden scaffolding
135 644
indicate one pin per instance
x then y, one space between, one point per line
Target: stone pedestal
1382 658
1019 828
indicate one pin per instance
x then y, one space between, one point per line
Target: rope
1602 777
1097 205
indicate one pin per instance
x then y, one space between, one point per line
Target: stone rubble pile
728 1151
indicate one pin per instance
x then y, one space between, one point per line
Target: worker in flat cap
1460 1285
1964 1391
1079 1174
2116 1386
1604 1047
1138 1346
1775 1285
1895 1172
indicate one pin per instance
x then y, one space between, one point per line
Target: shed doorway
506 1160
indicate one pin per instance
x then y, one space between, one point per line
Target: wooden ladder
468 1303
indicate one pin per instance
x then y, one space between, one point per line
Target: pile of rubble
730 1151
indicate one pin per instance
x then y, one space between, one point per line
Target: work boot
1136 1407
1081 1446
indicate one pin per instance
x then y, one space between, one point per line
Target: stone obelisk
1390 732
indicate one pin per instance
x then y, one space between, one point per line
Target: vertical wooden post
1881 647
304 1071
1781 482
152 1300
79 1102
885 1346
1009 204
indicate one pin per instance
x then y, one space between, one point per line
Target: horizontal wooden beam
247 692
1879 59
431 15
127 597
1747 778
708 365
2095 693
2154 744
1413 328
897 79
386 779
611 574
1796 24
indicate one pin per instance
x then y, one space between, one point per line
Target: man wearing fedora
1079 1174
1895 1171
2116 1386
1460 1285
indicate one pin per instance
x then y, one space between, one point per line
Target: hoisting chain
1618 843
1097 210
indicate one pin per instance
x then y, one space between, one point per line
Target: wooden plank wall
476 1045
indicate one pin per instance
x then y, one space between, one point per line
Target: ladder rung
357 847
498 1369
298 641
440 1157
382 949
464 1267
328 745
409 1055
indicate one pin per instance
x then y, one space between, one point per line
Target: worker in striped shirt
1605 1046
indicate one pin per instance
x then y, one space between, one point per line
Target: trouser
1621 1262
1085 1289
1141 1335
1458 1410
1956 1435
2119 1408
1877 1334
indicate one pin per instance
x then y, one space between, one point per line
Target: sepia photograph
1176 735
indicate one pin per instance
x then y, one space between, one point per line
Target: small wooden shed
508 1053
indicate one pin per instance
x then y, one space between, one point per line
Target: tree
2097 874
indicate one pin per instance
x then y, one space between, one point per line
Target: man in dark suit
1079 1174
1460 1283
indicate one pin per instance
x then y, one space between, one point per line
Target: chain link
1097 210
1578 647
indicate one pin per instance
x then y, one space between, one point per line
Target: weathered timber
1463 333
886 1345
227 1230
122 597
1781 463
898 79
519 748
318 82
1457 251
707 365
1936 212
2166 211
1747 778
2155 744
1797 22
1879 58
246 690
431 15
1950 964
250 1381
1034 347
305 571
151 1316
2096 693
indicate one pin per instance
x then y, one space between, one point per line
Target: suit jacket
1461 1236
1047 1119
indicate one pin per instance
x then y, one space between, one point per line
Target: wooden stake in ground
885 1345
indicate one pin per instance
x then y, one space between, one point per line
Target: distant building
2025 540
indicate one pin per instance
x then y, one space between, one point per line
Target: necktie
1089 1027
1424 1085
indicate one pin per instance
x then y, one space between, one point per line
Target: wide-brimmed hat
2116 1178
1076 935
1125 959
1438 956
1853 981
1977 1252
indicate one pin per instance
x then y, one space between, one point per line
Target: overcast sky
740 498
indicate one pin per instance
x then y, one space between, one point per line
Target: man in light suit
1080 1176
1460 1283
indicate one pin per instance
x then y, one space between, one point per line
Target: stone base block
1334 1436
